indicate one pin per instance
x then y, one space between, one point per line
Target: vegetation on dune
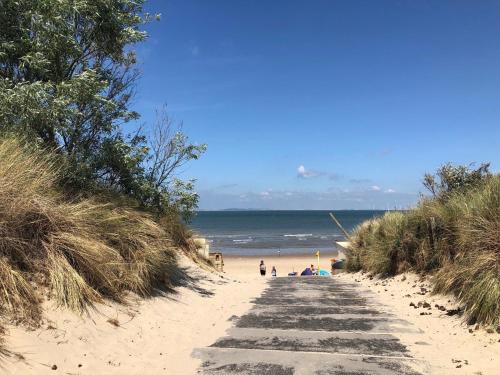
90 207
67 77
79 251
454 234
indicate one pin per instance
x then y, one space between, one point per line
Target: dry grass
74 251
183 238
457 239
114 322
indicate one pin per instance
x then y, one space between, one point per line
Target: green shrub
456 238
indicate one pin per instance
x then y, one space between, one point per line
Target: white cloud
375 188
390 191
299 199
266 195
302 172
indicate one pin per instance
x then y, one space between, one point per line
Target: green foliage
457 238
168 150
66 79
65 76
450 178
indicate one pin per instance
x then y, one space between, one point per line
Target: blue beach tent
306 272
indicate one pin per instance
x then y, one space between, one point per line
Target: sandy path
451 346
313 325
153 336
159 335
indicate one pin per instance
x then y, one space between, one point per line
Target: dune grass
74 251
456 239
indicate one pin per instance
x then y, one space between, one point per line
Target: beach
248 266
447 344
159 335
200 237
148 336
154 335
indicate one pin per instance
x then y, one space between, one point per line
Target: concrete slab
312 325
306 341
278 300
317 309
275 362
324 323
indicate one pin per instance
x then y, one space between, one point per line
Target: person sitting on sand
262 268
314 270
273 272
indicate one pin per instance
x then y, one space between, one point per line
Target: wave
243 241
225 235
298 235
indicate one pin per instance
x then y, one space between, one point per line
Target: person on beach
314 270
262 268
273 272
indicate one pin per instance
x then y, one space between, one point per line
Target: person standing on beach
262 268
273 272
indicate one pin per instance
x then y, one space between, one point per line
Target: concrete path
313 325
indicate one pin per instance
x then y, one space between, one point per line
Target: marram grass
74 252
457 240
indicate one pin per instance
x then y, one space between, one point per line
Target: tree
67 74
169 151
449 178
66 77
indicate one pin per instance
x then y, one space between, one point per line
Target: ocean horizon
249 232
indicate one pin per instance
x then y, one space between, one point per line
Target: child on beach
262 268
273 272
314 270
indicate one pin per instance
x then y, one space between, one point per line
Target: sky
324 104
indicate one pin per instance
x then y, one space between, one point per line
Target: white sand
446 343
249 266
158 335
154 336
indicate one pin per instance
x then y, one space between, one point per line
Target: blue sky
324 104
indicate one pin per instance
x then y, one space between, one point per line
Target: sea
255 233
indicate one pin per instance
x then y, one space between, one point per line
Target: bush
79 251
455 238
473 274
449 179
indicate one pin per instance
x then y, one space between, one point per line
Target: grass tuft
457 239
74 251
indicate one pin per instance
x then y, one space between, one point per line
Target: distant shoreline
273 252
297 210
323 254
